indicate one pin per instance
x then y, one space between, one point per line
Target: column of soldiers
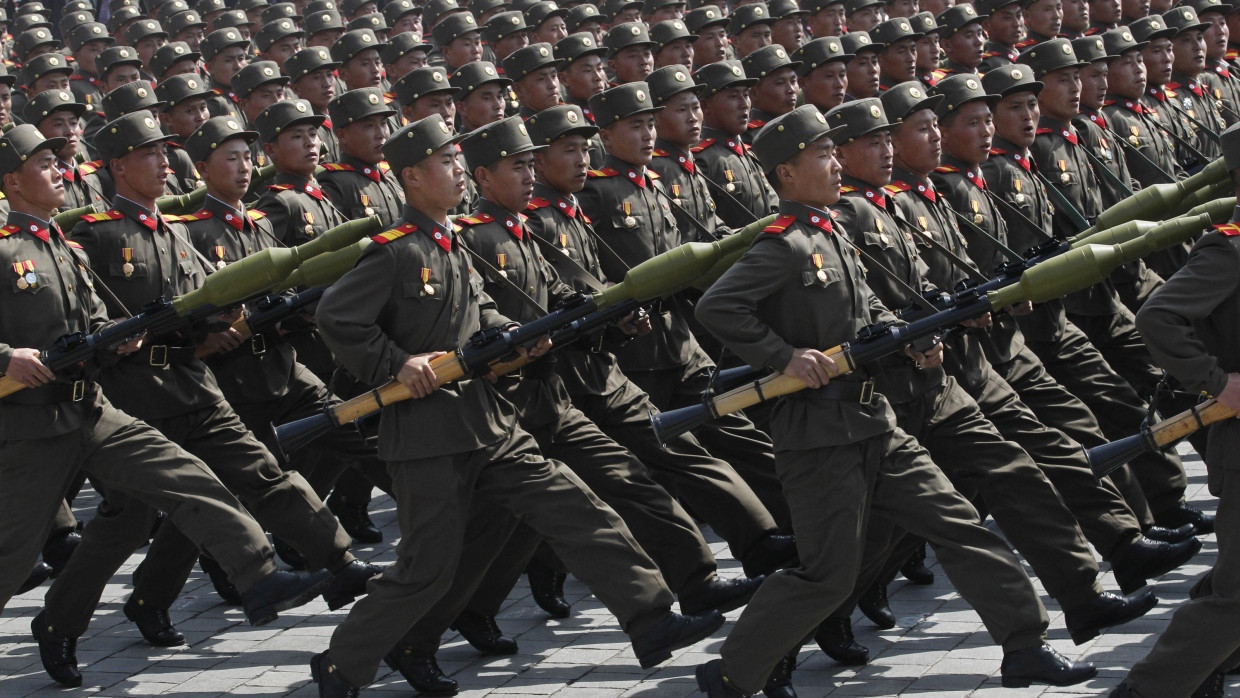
518 155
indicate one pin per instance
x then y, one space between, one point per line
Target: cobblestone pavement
938 649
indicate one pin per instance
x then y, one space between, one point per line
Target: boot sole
663 654
423 691
1083 636
266 614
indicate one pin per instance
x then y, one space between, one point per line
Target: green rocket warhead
188 203
65 220
680 268
266 270
1219 211
324 269
1155 202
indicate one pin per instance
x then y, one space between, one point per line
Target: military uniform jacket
1225 86
103 176
224 102
1195 99
757 119
141 256
87 89
183 177
726 159
45 294
329 145
1093 130
588 367
679 174
1192 327
360 189
996 55
261 368
297 209
800 286
81 188
413 292
636 224
1131 120
867 214
1162 105
597 152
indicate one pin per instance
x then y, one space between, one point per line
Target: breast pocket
821 278
128 270
31 282
430 292
189 269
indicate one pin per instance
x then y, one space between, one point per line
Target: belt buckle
258 344
160 350
79 390
867 393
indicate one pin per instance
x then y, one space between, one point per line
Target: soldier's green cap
503 25
143 29
747 16
421 82
281 116
471 76
669 30
45 64
123 16
579 45
164 11
206 7
853 6
1089 49
255 75
529 59
1184 19
1229 142
396 9
182 88
321 6
434 11
322 21
231 19
669 81
114 56
1204 6
960 89
1120 41
989 7
220 39
783 137
30 8
489 144
649 6
5 77
721 75
372 21
1152 27
308 60
616 103
169 55
924 23
782 9
214 133
611 8
274 31
453 27
957 17
82 34
72 20
540 12
354 42
820 52
767 60
20 143
580 16
816 6
402 45
858 118
79 6
1009 80
418 141
904 99
280 10
481 7
893 30
1048 56
27 22
131 97
184 20
356 105
705 16
549 125
116 5
351 7
27 41
49 102
856 42
623 36
249 5
125 134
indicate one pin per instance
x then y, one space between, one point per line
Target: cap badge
1067 48
758 11
587 41
301 107
233 125
521 128
641 96
469 19
178 49
285 26
875 112
710 14
325 18
489 70
96 29
1155 25
635 30
40 34
736 70
373 99
150 123
779 53
971 84
1126 36
365 38
142 92
833 47
914 93
571 116
680 76
542 51
268 72
821 119
443 126
1016 74
53 61
904 27
863 39
968 10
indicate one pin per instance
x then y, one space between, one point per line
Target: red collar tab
636 178
1228 229
820 222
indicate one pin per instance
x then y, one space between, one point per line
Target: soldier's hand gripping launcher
260 273
671 272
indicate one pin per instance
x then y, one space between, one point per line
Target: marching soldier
863 78
87 41
459 40
504 33
826 18
749 28
927 46
372 325
55 113
775 91
186 97
710 25
582 74
294 204
630 56
963 40
481 95
533 71
673 43
311 74
823 74
1005 28
832 504
897 61
679 127
361 184
1159 56
1196 104
1218 73
404 52
223 55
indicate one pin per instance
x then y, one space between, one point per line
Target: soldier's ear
409 176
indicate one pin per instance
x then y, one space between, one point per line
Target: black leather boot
58 653
153 623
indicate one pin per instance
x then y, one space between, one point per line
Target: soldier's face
824 86
928 52
364 139
295 150
262 97
678 52
440 103
864 19
681 120
325 38
1126 75
1075 15
1134 9
227 170
51 81
181 68
631 139
632 64
563 164
584 77
1061 95
917 142
1093 84
6 104
192 36
185 118
509 182
539 90
711 46
1190 53
283 49
38 181
751 39
968 133
406 64
813 176
483 106
665 13
966 46
507 45
728 110
829 21
788 32
868 158
225 64
776 93
902 8
365 69
317 88
86 55
863 75
1006 25
630 14
899 61
435 185
143 171
148 46
1216 36
63 124
411 22
551 31
1016 119
466 48
1045 17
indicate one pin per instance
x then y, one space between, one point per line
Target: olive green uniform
1162 108
81 188
419 293
727 160
1194 99
841 460
360 189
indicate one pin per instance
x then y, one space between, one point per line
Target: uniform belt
53 393
160 355
847 391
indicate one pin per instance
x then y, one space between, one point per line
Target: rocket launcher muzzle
65 220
